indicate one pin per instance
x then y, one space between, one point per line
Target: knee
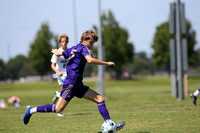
100 99
58 109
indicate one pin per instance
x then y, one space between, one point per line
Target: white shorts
61 79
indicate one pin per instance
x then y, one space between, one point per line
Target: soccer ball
108 127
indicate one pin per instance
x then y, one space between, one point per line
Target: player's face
89 43
63 43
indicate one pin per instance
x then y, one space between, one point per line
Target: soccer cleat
120 126
27 115
60 114
55 98
194 99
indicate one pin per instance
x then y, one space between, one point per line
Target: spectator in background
58 65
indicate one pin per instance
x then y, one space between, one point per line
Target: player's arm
53 67
92 60
56 52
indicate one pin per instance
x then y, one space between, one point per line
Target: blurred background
135 35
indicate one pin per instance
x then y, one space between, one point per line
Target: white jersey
60 61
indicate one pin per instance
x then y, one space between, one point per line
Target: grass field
145 104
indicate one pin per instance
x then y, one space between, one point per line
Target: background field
145 104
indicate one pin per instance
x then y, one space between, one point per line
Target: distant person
194 96
15 100
3 104
58 65
77 57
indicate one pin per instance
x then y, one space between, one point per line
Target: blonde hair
63 36
89 35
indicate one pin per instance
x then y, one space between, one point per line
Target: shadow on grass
82 114
136 132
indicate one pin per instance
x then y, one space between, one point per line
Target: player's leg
59 107
65 96
195 95
61 104
31 110
57 93
93 96
97 98
61 87
60 80
57 96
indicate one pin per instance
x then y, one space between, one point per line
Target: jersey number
72 53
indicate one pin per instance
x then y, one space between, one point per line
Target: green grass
145 104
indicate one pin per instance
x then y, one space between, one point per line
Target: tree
26 70
14 66
161 55
197 64
2 70
115 41
40 55
142 65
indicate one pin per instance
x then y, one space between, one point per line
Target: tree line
117 49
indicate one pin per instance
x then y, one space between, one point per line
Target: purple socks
51 108
103 110
46 108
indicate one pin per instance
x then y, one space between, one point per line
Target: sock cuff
54 108
101 103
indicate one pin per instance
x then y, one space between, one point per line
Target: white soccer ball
108 127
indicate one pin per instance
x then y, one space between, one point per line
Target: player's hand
60 73
111 63
54 51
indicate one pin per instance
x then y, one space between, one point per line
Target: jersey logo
63 61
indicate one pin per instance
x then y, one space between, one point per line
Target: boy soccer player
194 96
77 57
58 64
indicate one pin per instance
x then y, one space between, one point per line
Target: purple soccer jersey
76 63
